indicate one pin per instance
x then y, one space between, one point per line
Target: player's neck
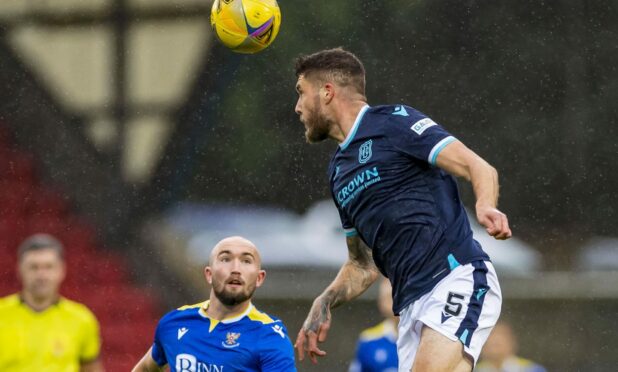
38 304
219 311
345 118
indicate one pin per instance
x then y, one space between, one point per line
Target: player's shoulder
192 307
269 325
76 310
183 311
385 330
373 333
396 111
394 119
9 302
260 317
528 365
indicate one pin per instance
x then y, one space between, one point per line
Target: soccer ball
245 26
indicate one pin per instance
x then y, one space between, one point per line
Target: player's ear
327 92
260 278
208 275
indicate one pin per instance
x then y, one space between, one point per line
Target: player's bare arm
460 161
354 277
147 364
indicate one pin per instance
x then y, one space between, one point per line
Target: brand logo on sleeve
279 329
182 331
420 126
401 111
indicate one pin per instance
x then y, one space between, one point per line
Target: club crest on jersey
364 152
231 340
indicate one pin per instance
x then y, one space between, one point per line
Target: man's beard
318 127
231 299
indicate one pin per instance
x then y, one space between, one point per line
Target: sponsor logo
231 340
182 331
364 152
420 126
189 363
360 182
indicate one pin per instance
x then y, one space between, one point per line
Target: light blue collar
350 135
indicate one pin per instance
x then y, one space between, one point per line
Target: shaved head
234 271
235 241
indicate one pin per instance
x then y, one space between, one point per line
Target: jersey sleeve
91 341
418 136
158 354
277 353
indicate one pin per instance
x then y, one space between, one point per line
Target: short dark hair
40 241
337 64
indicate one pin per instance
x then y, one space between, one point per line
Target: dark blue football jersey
388 190
188 340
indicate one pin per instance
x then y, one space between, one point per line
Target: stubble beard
229 298
318 126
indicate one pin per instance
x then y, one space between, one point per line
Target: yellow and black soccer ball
245 26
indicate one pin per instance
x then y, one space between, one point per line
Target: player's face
234 272
41 273
308 107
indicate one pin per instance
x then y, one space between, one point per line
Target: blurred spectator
39 329
499 353
376 350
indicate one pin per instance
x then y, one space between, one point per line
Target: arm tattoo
317 317
356 275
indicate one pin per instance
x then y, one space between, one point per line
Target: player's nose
235 269
297 108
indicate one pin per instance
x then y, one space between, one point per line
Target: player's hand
495 222
314 330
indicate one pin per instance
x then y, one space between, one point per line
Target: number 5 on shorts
453 304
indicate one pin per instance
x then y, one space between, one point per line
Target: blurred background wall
140 126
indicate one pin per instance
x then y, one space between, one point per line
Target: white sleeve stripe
433 154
